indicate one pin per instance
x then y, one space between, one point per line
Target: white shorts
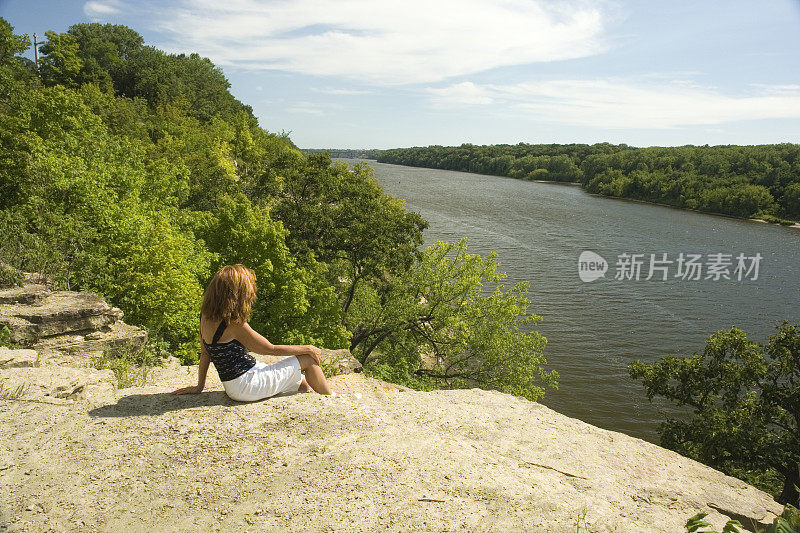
263 380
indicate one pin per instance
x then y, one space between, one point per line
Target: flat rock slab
13 358
115 338
58 313
392 459
58 322
27 294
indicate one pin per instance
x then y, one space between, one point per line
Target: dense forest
742 181
135 174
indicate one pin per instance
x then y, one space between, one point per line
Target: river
595 329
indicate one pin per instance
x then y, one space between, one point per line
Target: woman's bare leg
315 378
304 386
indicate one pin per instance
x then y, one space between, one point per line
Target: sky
384 74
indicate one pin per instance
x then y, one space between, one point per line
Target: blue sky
381 74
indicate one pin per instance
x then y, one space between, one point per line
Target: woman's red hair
230 295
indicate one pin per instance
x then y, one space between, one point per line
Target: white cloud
338 92
386 42
639 103
465 93
311 108
101 8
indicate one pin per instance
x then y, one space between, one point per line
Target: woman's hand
314 352
196 389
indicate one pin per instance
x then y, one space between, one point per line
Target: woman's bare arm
202 371
255 342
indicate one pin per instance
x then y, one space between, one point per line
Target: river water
595 329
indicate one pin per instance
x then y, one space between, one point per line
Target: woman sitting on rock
223 320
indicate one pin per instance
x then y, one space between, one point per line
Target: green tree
342 217
152 270
93 213
791 200
60 63
295 305
745 401
12 69
438 324
104 50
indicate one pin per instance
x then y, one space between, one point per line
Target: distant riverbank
750 182
793 225
577 184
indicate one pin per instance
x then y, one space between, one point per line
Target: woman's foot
305 387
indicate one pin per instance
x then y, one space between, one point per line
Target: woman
223 323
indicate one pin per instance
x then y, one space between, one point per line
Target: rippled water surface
595 329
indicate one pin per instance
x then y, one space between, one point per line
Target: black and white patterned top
231 359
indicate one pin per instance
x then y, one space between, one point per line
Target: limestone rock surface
56 323
78 454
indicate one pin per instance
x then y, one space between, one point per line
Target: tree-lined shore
743 181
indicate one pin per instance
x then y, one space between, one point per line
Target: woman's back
209 327
230 357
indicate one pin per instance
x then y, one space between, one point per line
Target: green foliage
5 336
773 219
791 200
697 524
342 217
11 46
152 273
331 369
438 324
14 76
60 62
744 398
131 367
104 51
294 305
740 181
552 162
13 394
83 216
9 277
788 522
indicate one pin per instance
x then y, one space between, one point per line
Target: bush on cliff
449 321
745 398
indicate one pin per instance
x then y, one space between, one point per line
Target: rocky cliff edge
78 454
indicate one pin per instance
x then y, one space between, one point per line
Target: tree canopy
742 181
745 403
135 174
